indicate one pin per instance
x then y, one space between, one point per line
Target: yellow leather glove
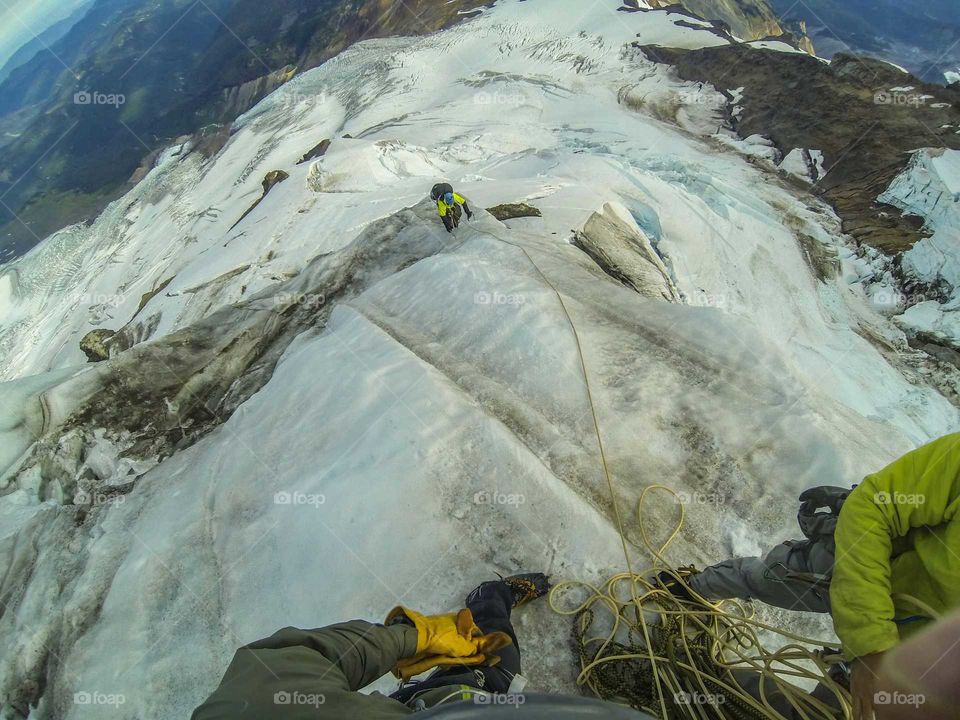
444 640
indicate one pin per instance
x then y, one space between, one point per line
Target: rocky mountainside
921 35
850 130
747 19
865 116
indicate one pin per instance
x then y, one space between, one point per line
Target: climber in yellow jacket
898 558
883 559
448 203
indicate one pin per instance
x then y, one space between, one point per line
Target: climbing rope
682 658
702 651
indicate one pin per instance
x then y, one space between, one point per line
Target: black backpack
440 189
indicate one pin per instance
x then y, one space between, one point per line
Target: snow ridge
297 406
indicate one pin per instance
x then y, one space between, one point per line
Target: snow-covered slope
335 407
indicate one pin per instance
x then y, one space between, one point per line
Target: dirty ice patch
930 317
804 164
930 188
755 146
947 168
22 417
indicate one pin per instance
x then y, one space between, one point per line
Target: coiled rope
677 658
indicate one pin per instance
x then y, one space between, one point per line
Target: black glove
826 496
469 215
672 585
818 526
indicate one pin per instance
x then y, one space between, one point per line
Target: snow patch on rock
804 164
930 188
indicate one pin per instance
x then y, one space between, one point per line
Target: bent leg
768 580
736 578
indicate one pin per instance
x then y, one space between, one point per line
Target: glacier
929 188
335 407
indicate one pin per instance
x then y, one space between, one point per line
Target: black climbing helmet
532 707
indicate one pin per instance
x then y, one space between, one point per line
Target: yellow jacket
443 208
898 539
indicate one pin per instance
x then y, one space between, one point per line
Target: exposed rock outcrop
318 151
148 296
271 180
745 19
240 98
96 344
625 253
511 211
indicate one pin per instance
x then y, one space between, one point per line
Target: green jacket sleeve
920 489
312 674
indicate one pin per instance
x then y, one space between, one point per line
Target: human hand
450 639
920 678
